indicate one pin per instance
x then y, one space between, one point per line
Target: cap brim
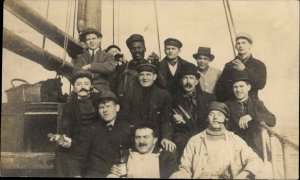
211 56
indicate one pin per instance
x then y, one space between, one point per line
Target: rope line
230 15
47 13
157 28
113 21
229 28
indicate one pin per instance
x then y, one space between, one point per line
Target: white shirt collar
173 68
111 123
91 51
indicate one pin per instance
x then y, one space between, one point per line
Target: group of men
162 119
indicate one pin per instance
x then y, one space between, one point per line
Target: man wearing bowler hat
93 59
171 66
247 113
244 61
194 102
208 75
216 153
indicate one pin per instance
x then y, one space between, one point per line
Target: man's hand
168 145
117 170
243 123
86 67
62 140
242 175
154 58
178 119
237 64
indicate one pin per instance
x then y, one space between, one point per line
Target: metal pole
273 157
285 154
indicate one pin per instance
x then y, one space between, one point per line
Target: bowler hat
244 35
204 51
78 73
173 42
87 31
240 76
147 67
220 107
133 38
189 69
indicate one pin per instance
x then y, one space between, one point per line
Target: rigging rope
118 22
113 21
47 13
74 19
67 29
230 15
157 28
229 27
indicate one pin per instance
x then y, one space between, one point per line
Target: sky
274 26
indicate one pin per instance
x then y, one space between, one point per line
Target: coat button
205 154
202 169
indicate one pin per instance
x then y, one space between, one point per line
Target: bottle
122 162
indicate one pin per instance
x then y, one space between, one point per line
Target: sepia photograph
189 89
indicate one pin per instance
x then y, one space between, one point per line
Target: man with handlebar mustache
189 107
77 121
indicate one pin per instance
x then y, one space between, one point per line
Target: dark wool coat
182 132
252 135
150 104
103 149
102 66
170 82
257 73
70 124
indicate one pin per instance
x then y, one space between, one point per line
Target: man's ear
155 140
249 87
179 50
154 76
117 107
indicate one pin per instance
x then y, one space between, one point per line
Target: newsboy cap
173 42
107 95
189 69
82 36
146 66
243 35
240 76
133 38
204 51
78 73
219 106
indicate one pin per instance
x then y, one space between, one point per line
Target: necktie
109 127
93 54
173 63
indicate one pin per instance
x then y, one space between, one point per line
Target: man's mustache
142 145
83 89
189 85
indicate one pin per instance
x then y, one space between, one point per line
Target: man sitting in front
147 159
217 153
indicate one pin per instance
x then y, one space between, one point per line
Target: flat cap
79 72
87 31
220 107
147 67
240 76
107 95
133 38
244 35
173 42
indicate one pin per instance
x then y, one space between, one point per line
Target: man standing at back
99 63
255 69
171 66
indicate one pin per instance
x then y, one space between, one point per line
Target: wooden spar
40 24
36 54
89 14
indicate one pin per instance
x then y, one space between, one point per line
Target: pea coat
257 73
